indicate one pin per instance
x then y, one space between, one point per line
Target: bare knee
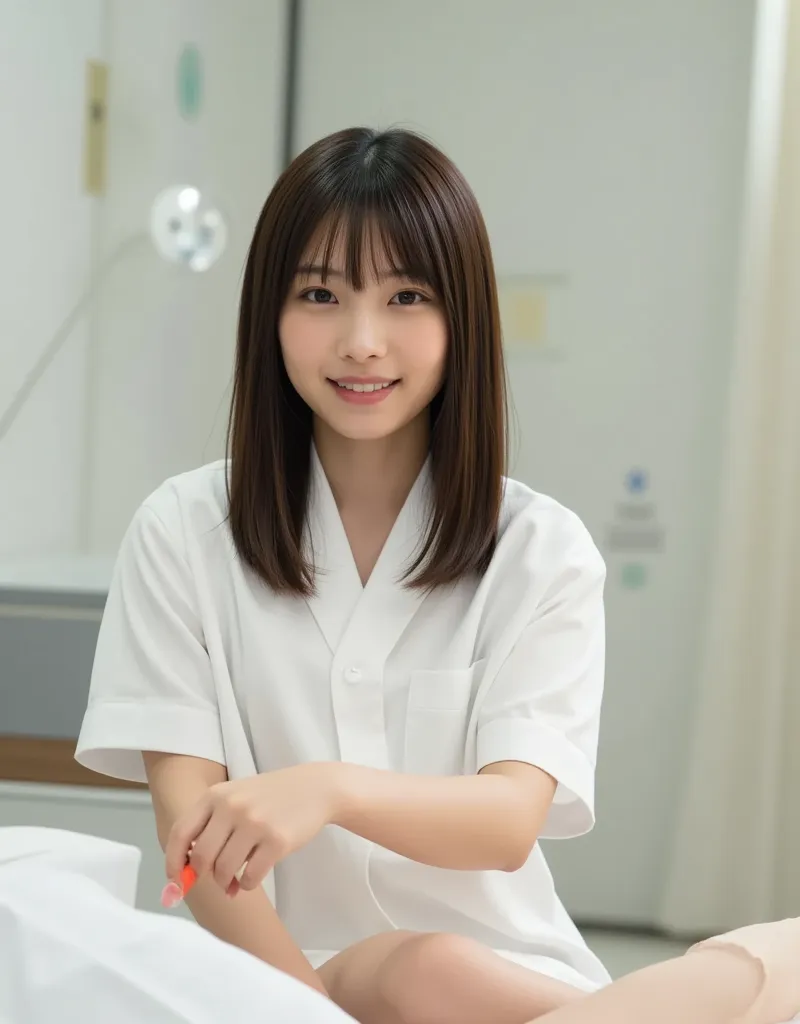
416 983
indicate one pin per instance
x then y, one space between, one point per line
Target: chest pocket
439 703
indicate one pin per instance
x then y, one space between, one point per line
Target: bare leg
408 978
749 976
710 986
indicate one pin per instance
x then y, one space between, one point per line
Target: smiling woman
382 273
358 621
383 343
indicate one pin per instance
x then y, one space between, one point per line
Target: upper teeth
364 387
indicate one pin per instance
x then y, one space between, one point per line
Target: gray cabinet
47 643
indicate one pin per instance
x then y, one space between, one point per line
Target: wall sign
633 575
190 82
533 310
635 530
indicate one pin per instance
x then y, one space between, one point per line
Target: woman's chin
372 431
363 425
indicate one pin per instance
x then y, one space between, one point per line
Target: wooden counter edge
52 761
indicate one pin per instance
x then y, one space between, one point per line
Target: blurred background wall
45 263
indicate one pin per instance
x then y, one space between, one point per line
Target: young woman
360 670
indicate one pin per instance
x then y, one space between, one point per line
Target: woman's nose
362 338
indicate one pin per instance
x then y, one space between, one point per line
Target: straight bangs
385 202
375 241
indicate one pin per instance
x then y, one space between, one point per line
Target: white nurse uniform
196 656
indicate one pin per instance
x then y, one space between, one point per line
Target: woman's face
366 362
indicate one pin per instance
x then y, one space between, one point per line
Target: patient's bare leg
751 976
708 987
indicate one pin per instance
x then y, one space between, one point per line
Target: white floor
625 953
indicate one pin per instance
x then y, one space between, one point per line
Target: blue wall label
636 481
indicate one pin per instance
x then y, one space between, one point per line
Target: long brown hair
354 186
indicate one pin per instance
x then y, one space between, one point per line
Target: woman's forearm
248 921
474 823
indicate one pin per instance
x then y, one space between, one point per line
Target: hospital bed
74 948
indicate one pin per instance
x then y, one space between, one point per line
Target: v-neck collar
384 605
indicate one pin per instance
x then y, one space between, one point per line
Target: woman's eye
319 296
409 298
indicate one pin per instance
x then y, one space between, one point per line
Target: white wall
163 338
605 142
45 260
139 390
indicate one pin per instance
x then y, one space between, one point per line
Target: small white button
352 674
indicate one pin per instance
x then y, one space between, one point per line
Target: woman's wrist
342 781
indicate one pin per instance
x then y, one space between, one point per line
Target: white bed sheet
74 948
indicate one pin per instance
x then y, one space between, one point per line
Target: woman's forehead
332 251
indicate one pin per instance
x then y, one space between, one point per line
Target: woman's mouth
363 391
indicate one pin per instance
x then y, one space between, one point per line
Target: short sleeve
543 707
152 686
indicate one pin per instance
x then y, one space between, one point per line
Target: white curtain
736 857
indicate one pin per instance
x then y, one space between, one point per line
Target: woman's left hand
255 822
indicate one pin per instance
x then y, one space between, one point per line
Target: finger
233 888
182 834
232 857
209 844
259 865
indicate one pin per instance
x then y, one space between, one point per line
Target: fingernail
171 895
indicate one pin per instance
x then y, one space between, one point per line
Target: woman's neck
374 475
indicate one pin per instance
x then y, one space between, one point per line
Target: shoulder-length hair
351 187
